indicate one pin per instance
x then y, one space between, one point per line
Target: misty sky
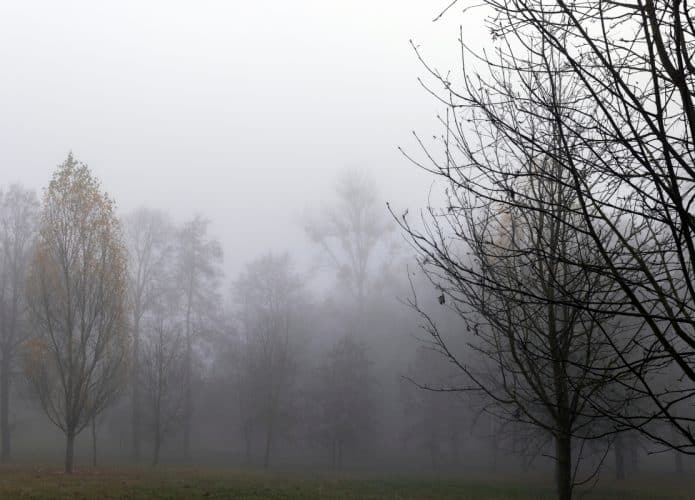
240 111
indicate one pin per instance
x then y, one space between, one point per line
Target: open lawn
174 483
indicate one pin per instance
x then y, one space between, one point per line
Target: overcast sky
240 111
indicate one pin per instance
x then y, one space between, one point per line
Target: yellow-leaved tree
77 294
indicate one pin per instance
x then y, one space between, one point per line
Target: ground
174 483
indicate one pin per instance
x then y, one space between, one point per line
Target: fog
216 107
260 304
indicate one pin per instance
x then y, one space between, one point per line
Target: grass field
175 483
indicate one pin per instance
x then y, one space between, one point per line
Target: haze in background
240 111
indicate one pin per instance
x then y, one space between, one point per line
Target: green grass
180 483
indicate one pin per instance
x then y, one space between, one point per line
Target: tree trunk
157 445
455 447
634 456
679 462
136 390
268 446
94 441
495 444
188 394
333 454
619 452
433 457
563 466
5 409
677 456
340 454
247 443
157 409
69 452
495 450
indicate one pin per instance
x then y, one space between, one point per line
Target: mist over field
347 249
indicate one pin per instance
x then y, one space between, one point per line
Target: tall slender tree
149 240
18 225
77 296
270 296
163 370
198 273
345 417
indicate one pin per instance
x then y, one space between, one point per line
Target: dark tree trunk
157 412
563 466
634 456
188 394
157 446
69 452
495 444
94 441
333 454
433 457
619 452
455 447
268 446
679 462
5 409
137 450
340 454
247 443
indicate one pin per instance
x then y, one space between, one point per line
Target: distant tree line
103 313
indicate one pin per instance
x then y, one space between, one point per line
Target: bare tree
634 120
344 401
539 361
163 370
18 225
198 274
436 422
149 236
510 253
352 232
77 294
270 297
